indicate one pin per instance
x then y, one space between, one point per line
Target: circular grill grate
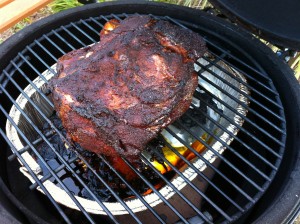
242 169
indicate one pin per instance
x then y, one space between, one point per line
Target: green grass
19 26
61 5
22 24
190 3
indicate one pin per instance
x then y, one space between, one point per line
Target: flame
176 160
157 186
109 26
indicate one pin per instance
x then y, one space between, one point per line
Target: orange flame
109 26
176 160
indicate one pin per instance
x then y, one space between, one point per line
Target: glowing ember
176 160
109 26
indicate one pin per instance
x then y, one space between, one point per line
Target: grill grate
248 164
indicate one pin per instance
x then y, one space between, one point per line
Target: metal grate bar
46 192
91 28
250 109
239 91
57 47
204 160
198 172
230 148
63 39
118 18
235 137
84 33
224 51
266 88
21 90
190 184
54 44
3 81
73 36
239 79
31 66
95 21
243 104
104 17
225 144
206 68
156 192
42 47
27 147
41 60
260 73
62 166
33 85
115 16
240 127
46 165
134 192
48 176
187 201
202 176
219 155
107 186
87 35
57 154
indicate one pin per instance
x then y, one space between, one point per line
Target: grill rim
190 15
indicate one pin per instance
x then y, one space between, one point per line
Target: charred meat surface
115 96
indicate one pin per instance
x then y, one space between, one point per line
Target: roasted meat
115 96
